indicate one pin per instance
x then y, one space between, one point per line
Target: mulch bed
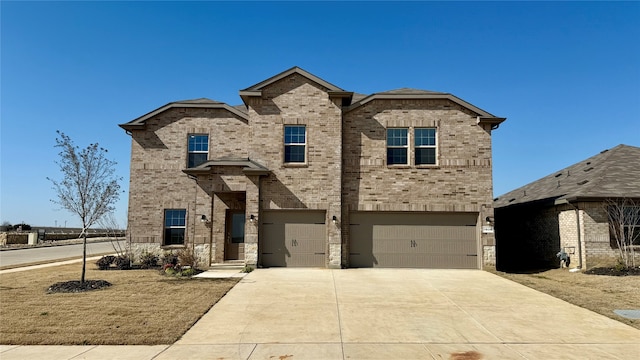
76 286
612 271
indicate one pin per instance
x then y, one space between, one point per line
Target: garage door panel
422 240
416 232
423 246
294 238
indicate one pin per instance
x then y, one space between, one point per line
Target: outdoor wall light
334 219
203 218
252 218
489 220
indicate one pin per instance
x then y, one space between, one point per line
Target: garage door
293 238
413 240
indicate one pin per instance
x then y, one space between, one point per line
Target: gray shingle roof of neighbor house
613 173
139 122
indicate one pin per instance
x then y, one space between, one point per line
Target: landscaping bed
602 294
141 307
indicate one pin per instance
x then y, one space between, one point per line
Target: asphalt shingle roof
611 173
410 91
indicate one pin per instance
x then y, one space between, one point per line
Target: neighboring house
305 173
566 211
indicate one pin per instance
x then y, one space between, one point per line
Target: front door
234 235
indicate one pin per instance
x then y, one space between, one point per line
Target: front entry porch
233 189
228 228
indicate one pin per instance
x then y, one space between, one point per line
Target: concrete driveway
399 314
380 314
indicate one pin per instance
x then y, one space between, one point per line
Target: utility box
33 238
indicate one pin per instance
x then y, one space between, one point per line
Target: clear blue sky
566 75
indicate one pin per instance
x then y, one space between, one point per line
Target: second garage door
413 240
293 238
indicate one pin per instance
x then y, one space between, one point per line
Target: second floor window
198 149
397 146
425 142
295 143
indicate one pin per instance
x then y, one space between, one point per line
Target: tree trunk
84 257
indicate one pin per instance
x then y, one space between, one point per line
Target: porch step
228 265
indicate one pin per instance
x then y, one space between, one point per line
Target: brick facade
531 236
345 168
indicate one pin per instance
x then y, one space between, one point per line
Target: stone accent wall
489 255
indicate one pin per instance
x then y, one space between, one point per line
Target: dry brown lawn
598 293
141 307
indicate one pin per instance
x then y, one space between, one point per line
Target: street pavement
379 314
14 257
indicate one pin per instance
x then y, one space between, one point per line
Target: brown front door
234 235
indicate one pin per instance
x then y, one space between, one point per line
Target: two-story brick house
307 174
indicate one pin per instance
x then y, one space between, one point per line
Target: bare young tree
115 233
624 227
89 187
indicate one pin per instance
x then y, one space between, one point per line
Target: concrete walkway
379 314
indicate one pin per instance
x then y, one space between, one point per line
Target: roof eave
246 94
484 120
139 123
249 167
453 98
130 127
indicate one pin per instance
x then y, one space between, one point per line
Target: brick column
251 227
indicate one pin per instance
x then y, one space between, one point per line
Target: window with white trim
295 143
175 224
425 146
397 146
198 149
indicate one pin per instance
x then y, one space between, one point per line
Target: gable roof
409 93
256 90
139 123
610 174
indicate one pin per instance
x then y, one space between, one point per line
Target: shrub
148 260
247 269
104 263
123 262
169 258
187 257
189 272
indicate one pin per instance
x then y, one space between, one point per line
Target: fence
15 238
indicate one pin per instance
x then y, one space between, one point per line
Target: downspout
195 205
579 237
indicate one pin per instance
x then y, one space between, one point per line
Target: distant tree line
6 226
